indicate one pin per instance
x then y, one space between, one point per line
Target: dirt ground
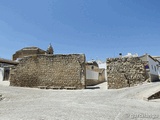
94 103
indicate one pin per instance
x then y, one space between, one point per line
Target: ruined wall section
125 72
50 70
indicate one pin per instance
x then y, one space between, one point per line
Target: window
152 67
92 67
146 66
155 68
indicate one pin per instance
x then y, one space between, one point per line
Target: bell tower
50 49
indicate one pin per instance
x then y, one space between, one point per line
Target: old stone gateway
50 70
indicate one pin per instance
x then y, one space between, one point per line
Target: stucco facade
1 74
94 74
152 67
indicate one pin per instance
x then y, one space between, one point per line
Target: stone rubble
125 72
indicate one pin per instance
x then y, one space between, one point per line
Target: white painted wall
154 69
103 66
92 75
1 73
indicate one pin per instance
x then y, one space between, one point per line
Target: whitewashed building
131 55
95 72
5 66
91 75
1 73
152 66
92 70
103 65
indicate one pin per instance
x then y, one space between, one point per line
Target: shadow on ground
92 87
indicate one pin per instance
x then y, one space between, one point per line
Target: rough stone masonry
125 72
50 70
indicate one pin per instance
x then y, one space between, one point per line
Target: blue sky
97 28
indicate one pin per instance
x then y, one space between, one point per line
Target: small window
146 66
152 67
155 68
92 67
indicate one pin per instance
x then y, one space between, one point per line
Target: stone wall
125 72
50 70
